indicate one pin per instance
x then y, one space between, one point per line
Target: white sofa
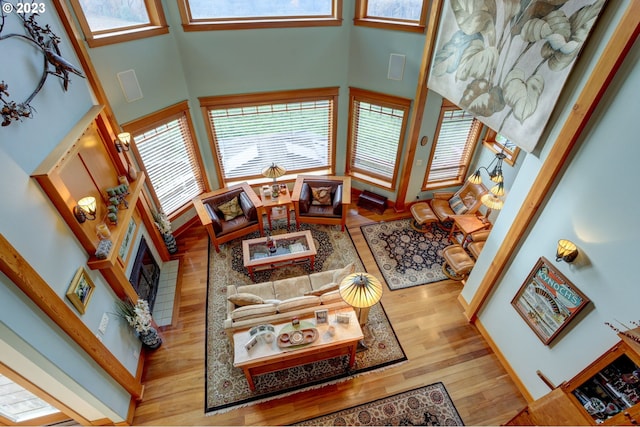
269 302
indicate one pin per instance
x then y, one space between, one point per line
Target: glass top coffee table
289 248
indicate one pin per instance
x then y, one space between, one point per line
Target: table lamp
274 171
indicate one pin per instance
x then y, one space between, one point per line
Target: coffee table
467 224
290 248
266 356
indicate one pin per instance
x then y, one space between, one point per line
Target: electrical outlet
419 162
103 323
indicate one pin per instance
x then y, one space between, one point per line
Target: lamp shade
498 189
274 171
361 290
475 178
491 201
88 205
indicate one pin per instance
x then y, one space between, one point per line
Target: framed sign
80 290
501 144
547 301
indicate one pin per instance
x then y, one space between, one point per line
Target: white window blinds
168 156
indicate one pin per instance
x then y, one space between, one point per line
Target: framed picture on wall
80 290
547 301
500 144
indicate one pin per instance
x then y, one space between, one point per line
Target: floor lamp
361 291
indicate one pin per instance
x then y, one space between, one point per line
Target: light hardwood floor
439 343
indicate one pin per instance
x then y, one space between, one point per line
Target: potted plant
138 317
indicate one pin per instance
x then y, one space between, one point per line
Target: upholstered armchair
476 244
229 213
321 199
464 201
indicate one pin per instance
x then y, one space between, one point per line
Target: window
199 15
113 21
403 15
294 129
377 126
453 147
164 147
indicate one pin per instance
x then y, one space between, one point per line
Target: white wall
593 205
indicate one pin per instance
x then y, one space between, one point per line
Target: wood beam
38 290
417 112
616 50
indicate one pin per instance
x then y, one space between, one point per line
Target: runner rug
424 406
406 257
225 386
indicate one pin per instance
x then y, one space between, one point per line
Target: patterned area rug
226 386
406 257
424 406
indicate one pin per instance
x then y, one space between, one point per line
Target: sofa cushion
242 299
230 209
331 297
332 286
296 303
290 288
264 290
253 311
321 196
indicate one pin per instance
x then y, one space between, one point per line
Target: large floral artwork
506 61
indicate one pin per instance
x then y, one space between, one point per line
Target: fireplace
145 274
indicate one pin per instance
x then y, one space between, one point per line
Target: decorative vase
150 339
170 243
132 171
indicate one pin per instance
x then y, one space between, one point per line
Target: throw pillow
340 274
321 196
242 298
457 206
323 289
230 209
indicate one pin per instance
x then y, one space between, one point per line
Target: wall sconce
122 142
85 209
567 251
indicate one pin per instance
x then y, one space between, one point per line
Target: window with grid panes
293 129
455 141
377 124
113 21
207 15
165 147
402 15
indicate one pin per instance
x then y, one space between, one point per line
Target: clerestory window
204 15
294 129
402 15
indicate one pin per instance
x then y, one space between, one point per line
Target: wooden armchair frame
346 200
205 218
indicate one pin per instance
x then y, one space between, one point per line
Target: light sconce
567 251
85 209
122 142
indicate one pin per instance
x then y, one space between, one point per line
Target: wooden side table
467 224
274 207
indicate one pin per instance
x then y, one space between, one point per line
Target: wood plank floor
439 342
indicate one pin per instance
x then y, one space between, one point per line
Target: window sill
248 25
412 27
127 35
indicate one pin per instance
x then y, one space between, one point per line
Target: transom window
294 129
377 125
164 145
113 21
238 14
455 141
403 15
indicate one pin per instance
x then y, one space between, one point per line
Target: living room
36 230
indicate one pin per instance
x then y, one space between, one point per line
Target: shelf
118 231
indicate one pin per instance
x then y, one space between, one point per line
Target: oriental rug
226 387
406 257
424 406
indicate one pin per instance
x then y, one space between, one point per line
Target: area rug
226 387
424 406
406 257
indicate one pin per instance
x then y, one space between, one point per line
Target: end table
278 207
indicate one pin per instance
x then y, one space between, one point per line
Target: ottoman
423 216
457 259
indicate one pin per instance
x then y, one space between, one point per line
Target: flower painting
506 61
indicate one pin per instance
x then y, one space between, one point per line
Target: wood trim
616 50
415 121
42 394
38 290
